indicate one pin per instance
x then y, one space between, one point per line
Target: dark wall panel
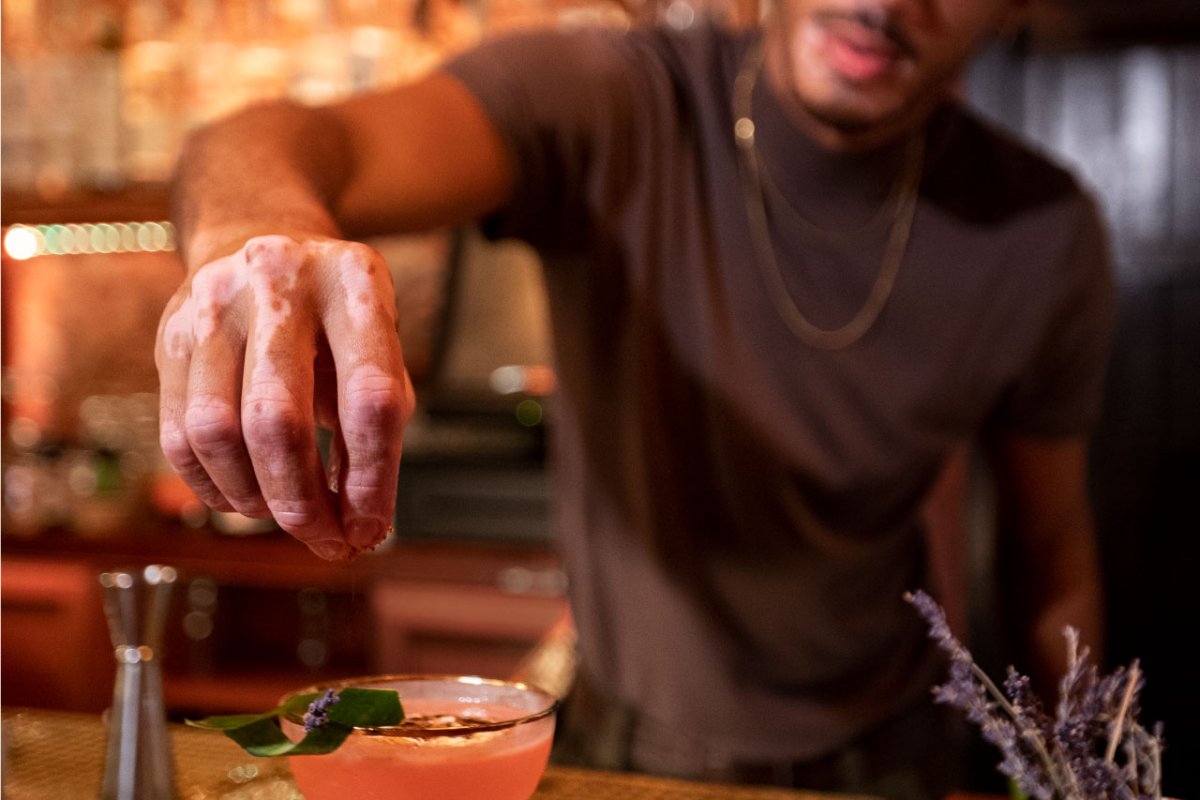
1127 121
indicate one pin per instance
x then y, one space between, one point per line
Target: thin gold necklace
753 190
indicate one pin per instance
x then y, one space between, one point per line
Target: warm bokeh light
26 241
21 242
534 379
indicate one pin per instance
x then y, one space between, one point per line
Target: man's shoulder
988 174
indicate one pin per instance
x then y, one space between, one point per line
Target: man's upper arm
1059 390
422 155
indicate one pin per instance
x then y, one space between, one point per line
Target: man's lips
860 52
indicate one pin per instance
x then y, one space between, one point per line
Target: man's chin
851 119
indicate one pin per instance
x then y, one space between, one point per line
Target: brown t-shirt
738 511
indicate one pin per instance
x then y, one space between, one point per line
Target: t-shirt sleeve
1060 391
563 103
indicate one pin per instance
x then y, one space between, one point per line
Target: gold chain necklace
753 190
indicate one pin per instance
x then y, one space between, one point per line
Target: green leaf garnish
261 735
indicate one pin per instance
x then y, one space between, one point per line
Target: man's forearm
1049 567
274 168
1070 596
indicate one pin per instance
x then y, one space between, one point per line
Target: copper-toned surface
51 755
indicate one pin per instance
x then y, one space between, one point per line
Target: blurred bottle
389 43
263 64
61 96
208 52
52 83
452 25
18 134
98 94
104 470
36 495
152 73
98 128
320 55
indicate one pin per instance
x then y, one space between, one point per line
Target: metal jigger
139 764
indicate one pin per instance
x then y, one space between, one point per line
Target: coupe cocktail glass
463 738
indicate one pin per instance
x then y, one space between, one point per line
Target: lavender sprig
1072 756
317 715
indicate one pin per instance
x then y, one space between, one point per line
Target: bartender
788 275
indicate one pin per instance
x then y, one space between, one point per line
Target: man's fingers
375 398
283 450
214 426
277 401
176 446
374 410
173 357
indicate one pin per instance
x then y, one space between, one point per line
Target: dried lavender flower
317 715
1091 749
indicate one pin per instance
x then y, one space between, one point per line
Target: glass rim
365 682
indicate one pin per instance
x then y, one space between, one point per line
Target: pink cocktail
463 738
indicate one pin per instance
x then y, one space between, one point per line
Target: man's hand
259 347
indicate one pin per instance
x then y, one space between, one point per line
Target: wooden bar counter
51 755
